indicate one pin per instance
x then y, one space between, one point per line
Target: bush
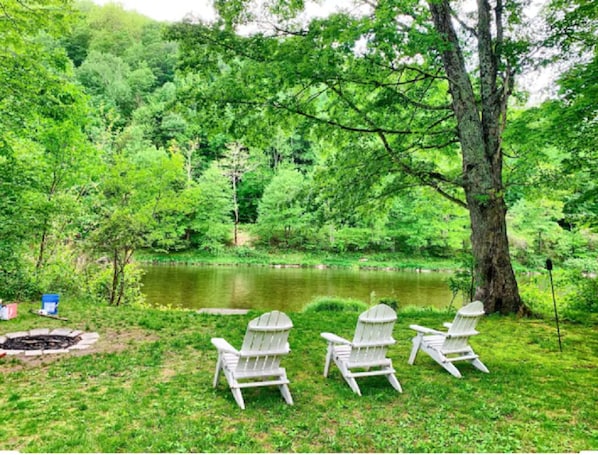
576 296
537 296
99 281
336 304
390 301
359 239
243 252
17 283
581 304
59 275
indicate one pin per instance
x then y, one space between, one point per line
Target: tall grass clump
390 301
334 304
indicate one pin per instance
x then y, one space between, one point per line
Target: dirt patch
244 238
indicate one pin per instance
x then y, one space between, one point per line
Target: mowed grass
147 387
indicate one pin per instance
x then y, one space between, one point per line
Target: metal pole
556 315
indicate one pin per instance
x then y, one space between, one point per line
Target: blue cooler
50 303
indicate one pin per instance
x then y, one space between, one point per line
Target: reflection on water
286 289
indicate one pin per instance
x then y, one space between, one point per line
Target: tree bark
479 135
495 282
42 249
114 284
236 212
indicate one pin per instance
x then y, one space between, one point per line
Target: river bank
244 256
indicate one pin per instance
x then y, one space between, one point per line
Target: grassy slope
154 393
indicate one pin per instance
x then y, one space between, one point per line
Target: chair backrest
265 342
463 327
373 335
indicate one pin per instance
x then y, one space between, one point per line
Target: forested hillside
120 134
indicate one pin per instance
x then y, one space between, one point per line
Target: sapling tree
210 226
283 217
140 191
235 164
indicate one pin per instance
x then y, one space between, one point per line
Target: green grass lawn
146 387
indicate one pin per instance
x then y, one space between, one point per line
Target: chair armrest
264 353
332 338
426 330
448 324
463 334
223 346
387 342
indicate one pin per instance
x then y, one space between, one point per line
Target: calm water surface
286 289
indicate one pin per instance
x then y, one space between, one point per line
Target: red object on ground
8 311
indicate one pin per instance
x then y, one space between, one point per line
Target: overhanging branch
330 122
430 179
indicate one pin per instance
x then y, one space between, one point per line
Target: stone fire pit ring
72 339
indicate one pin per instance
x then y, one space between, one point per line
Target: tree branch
463 24
402 67
375 130
427 178
284 32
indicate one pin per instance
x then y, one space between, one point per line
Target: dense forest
343 134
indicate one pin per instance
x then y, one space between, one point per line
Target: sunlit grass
148 389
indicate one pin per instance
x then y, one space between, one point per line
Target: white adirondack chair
258 362
367 352
452 346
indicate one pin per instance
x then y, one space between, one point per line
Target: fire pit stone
31 353
61 332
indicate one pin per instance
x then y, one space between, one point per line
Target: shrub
581 304
59 275
99 280
244 252
390 301
537 296
357 239
576 296
336 304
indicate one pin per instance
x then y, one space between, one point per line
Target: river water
286 289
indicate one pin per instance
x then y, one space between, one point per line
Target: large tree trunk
495 282
479 135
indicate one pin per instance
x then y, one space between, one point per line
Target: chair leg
286 393
238 397
452 369
417 341
329 353
352 382
394 382
217 372
479 365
